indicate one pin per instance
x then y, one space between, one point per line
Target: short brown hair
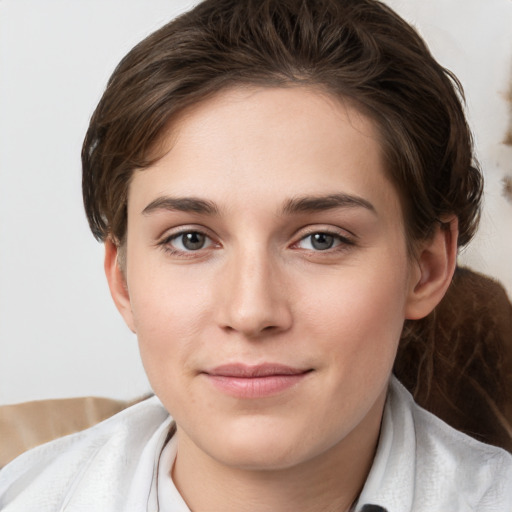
355 49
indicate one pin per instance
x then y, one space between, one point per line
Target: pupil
193 241
322 241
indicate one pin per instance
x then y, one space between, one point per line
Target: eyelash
166 246
342 242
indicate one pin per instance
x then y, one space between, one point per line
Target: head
212 82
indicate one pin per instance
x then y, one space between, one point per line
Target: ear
433 269
117 283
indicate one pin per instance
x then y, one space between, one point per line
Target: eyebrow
303 204
181 204
307 204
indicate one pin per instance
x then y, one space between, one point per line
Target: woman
280 187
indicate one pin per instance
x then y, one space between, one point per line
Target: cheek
356 325
359 313
170 313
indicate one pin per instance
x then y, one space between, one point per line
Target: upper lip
241 370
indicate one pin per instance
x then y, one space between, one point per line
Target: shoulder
454 466
71 464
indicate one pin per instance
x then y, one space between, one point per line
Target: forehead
270 143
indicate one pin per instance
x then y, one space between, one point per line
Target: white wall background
60 335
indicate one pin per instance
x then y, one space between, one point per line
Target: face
267 276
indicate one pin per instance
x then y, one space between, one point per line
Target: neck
327 482
275 491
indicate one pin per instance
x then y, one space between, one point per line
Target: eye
322 241
189 241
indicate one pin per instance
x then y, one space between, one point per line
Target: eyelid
341 233
186 228
344 241
173 233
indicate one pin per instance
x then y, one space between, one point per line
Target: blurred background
60 334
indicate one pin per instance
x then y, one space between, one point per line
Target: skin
259 290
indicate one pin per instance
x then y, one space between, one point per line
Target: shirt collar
389 486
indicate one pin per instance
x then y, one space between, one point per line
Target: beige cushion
26 425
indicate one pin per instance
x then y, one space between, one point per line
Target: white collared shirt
123 464
424 465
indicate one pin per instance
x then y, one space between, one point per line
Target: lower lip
255 387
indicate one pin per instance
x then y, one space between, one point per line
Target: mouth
258 381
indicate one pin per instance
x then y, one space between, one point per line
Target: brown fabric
463 372
26 425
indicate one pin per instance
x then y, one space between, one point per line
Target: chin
261 458
262 447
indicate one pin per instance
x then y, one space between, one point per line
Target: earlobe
433 270
117 283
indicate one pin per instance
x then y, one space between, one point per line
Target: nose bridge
253 297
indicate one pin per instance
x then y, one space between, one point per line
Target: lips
246 381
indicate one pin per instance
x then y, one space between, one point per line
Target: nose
253 297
